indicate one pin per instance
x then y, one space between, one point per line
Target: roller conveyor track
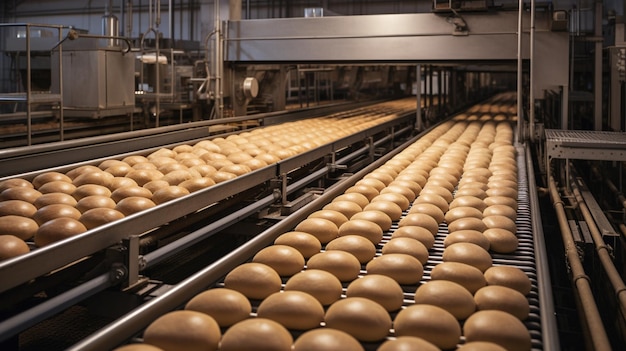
528 254
66 253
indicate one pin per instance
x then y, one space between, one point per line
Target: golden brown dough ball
408 343
378 288
362 248
497 327
47 177
27 194
511 277
58 229
429 322
362 318
496 297
407 246
469 277
403 268
448 295
133 204
254 280
361 227
96 217
334 216
226 306
285 260
326 339
295 310
168 194
341 264
420 234
256 333
184 331
12 246
322 285
323 229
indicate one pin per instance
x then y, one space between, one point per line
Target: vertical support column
418 96
520 114
597 85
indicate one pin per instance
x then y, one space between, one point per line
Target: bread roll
285 260
403 268
184 330
322 285
448 295
362 318
254 280
294 310
429 322
379 288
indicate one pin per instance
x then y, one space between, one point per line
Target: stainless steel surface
585 145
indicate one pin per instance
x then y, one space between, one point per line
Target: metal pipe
602 249
418 96
531 93
597 85
582 282
14 325
29 95
520 113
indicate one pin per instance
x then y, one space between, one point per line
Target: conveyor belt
585 145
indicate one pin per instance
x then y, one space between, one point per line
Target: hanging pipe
531 93
602 250
581 281
519 70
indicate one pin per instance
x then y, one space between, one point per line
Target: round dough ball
168 194
407 246
462 212
408 343
21 227
177 176
468 253
467 190
382 176
435 199
89 190
420 234
428 209
133 204
12 246
362 318
501 222
499 200
47 177
96 217
469 277
380 218
407 184
502 191
95 201
420 220
320 284
448 295
285 260
184 330
237 169
372 182
362 248
348 208
254 280
55 198
143 176
134 190
334 216
468 201
98 178
15 182
480 346
225 306
369 230
197 184
498 327
120 182
467 236
58 229
408 193
17 208
500 210
511 277
155 185
398 199
379 288
295 310
134 159
341 264
357 198
23 193
78 171
501 240
496 297
326 339
391 209
53 211
467 223
323 229
260 334
403 268
138 347
429 322
305 243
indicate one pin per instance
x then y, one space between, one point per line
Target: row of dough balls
337 241
55 205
